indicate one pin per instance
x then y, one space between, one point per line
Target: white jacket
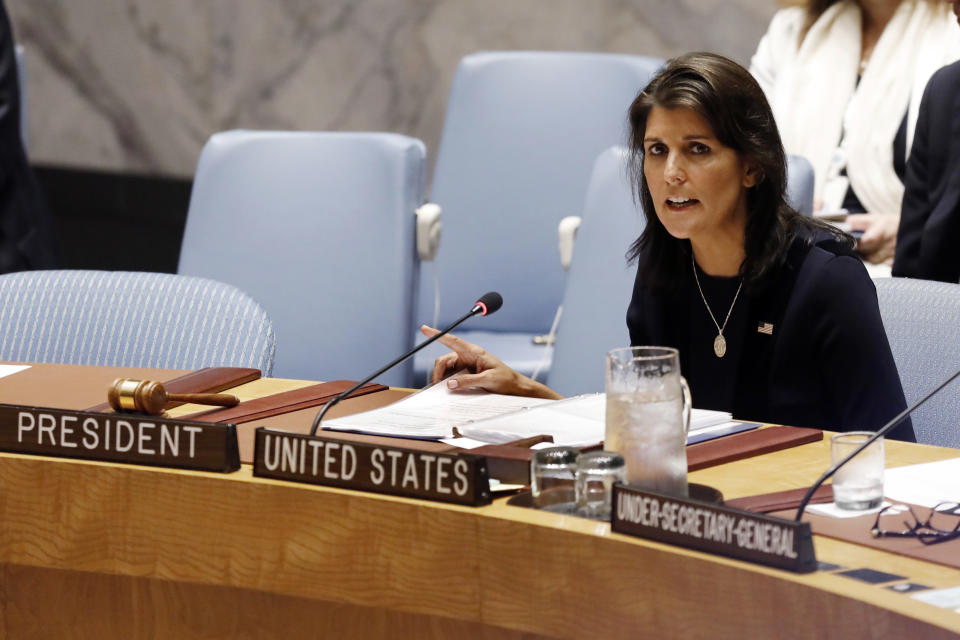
812 87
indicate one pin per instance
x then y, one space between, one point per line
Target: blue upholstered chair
519 140
319 229
922 320
600 282
800 184
116 318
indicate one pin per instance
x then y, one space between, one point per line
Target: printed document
432 413
925 484
477 415
580 422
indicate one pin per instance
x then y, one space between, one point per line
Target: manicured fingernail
452 384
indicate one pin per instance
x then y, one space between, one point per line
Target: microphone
488 303
887 428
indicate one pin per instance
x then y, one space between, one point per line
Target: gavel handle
217 399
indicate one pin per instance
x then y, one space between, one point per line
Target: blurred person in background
845 78
928 240
26 228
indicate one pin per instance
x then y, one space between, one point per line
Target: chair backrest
600 282
118 318
800 184
922 320
318 228
521 134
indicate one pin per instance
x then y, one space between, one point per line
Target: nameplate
460 479
119 437
715 529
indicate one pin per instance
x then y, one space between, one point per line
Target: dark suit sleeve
929 235
915 208
856 365
27 238
11 147
637 313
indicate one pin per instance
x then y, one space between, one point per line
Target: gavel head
141 396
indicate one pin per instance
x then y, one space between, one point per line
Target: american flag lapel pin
765 328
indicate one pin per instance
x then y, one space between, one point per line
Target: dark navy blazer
928 242
827 363
26 228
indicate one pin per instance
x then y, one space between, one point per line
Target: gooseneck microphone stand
488 303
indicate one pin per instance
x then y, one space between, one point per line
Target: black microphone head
490 302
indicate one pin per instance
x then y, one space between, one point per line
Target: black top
809 350
26 236
928 241
704 364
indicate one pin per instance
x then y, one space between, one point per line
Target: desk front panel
100 550
138 541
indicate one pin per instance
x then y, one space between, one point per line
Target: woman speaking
775 318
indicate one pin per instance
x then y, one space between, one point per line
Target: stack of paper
432 414
581 421
435 412
575 422
926 484
703 419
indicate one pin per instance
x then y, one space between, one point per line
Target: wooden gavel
147 396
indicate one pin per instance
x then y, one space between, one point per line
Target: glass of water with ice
648 416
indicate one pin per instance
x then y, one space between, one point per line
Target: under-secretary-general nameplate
713 528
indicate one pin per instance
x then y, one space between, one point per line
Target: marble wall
139 85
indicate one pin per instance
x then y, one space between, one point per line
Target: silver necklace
719 343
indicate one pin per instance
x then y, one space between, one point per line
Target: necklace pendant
720 345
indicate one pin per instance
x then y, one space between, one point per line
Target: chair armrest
567 234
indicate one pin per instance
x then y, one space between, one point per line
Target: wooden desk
102 550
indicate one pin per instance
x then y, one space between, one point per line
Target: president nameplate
443 477
119 437
715 529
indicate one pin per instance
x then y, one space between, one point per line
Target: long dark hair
725 95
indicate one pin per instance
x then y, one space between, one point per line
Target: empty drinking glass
857 485
552 474
597 471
